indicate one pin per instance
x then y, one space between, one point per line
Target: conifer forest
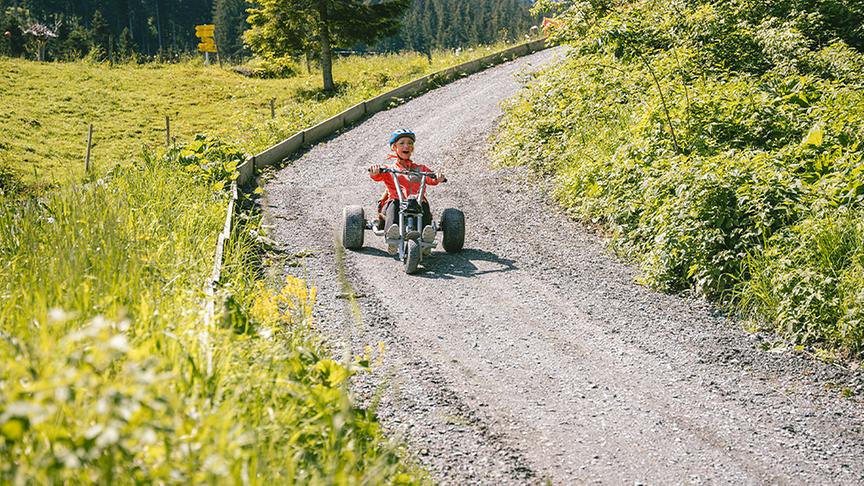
144 30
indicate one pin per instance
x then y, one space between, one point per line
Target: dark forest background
164 29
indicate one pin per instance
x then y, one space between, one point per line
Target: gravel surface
532 356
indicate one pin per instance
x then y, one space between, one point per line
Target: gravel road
532 356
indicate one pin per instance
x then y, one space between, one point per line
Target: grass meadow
48 106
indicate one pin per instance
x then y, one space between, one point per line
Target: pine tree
100 33
13 42
76 41
430 24
125 46
230 19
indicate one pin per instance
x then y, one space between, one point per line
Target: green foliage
111 374
270 68
808 281
277 29
100 32
229 17
282 28
208 160
13 44
710 138
126 46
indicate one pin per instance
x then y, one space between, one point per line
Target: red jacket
408 184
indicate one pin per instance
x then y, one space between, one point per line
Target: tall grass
105 376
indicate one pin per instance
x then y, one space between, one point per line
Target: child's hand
440 177
374 170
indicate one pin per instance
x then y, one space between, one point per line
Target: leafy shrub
208 160
710 138
275 68
808 281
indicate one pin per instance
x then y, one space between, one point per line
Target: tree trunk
159 32
326 58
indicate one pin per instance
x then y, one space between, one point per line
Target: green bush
276 68
809 281
705 155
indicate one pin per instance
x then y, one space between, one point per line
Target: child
402 145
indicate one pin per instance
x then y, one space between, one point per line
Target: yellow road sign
205 30
207 45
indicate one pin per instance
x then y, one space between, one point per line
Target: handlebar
386 170
431 175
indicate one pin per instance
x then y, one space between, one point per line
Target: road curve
532 357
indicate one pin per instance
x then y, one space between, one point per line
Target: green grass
48 106
110 373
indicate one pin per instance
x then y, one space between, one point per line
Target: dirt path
532 355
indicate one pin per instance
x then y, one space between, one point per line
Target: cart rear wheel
453 225
353 227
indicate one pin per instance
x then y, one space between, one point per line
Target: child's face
403 147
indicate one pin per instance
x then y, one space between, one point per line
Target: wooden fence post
167 131
272 107
89 144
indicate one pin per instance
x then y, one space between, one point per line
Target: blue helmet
402 132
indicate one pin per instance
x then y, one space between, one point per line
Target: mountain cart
410 246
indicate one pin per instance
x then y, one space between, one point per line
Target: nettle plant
208 159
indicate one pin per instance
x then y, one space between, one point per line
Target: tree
100 33
230 19
436 24
126 45
13 42
73 40
289 27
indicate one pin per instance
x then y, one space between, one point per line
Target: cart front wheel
412 256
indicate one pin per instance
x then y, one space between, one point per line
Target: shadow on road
467 263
